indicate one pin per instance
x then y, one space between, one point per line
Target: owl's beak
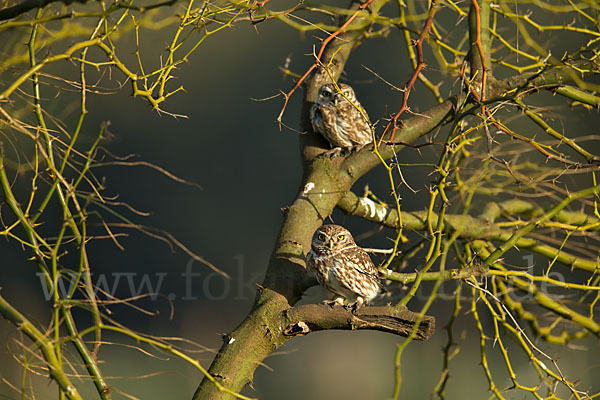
330 244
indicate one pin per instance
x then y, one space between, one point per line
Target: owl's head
329 95
330 238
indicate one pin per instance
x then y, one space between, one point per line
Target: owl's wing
368 121
353 125
364 265
316 118
364 124
350 109
311 263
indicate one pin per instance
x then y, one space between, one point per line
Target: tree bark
400 321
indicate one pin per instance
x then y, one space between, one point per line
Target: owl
342 267
338 120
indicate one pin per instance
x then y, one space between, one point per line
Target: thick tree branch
480 43
478 227
471 228
550 78
400 321
27 5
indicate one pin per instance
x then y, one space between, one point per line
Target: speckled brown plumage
337 119
341 266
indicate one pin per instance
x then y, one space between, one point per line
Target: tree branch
46 347
27 5
304 319
481 227
479 38
471 228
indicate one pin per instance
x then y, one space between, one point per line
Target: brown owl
337 119
341 266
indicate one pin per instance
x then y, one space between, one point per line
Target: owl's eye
325 93
340 237
321 236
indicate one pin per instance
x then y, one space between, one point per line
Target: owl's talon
357 148
337 302
352 307
333 153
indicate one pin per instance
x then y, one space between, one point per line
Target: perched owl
341 266
338 120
